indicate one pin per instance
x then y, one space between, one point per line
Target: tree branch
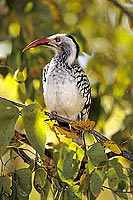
99 137
23 155
122 8
14 102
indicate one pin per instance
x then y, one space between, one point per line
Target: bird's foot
53 115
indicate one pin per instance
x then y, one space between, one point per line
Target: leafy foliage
33 119
8 117
64 170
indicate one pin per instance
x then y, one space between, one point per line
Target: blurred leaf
46 190
4 197
96 154
22 87
129 123
122 195
96 182
16 144
118 168
14 29
8 117
40 179
121 137
123 179
84 183
28 7
113 179
90 167
33 119
112 146
72 193
69 162
20 76
22 183
91 196
95 109
5 185
130 173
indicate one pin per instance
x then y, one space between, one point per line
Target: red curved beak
38 42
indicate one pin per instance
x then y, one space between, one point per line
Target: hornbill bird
66 87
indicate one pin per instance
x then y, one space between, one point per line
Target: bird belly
64 98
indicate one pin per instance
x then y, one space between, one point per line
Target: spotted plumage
66 86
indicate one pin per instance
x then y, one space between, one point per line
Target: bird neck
65 57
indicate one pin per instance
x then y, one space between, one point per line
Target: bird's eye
57 39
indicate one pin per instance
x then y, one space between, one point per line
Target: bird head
64 45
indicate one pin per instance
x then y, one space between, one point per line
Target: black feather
77 46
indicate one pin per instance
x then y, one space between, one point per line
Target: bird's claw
53 115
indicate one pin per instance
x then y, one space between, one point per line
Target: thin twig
53 116
23 155
122 8
115 191
14 102
125 154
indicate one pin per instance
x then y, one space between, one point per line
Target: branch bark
122 8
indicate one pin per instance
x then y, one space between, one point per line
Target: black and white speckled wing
83 85
45 70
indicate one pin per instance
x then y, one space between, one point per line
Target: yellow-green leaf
96 154
5 185
40 179
33 120
113 179
20 76
69 162
8 117
23 182
96 182
72 193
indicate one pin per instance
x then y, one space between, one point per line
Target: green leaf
40 179
4 197
91 196
8 117
16 144
5 185
90 167
96 182
70 161
23 184
96 154
113 179
118 168
95 108
72 193
46 190
129 122
19 76
123 180
33 119
84 184
122 195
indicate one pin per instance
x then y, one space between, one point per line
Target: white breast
61 95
